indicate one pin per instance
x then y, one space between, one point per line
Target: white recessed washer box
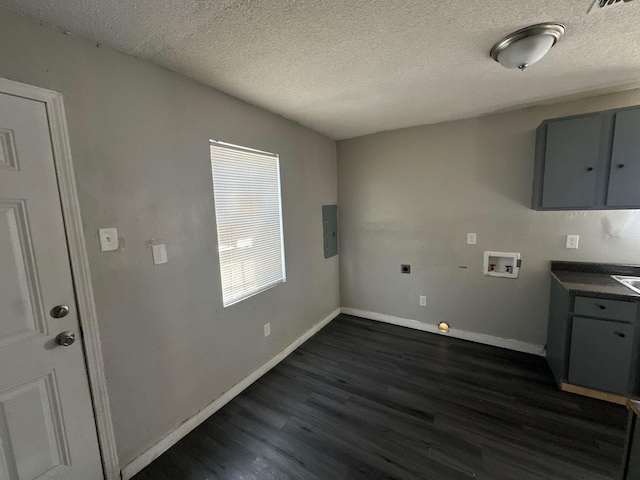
500 264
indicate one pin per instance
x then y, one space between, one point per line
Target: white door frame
79 265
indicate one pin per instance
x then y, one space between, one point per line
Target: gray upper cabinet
588 162
624 189
571 162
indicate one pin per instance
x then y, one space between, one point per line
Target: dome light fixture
527 46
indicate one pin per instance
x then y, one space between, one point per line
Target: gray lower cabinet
605 308
600 354
631 458
593 342
558 334
588 162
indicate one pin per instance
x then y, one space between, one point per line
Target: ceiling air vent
602 5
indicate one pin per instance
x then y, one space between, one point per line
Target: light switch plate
108 239
572 241
267 329
423 300
159 254
471 238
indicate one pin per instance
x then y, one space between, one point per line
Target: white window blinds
246 186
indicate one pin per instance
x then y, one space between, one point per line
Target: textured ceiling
348 68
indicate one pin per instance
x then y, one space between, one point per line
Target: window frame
283 276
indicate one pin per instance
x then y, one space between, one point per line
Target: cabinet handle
621 165
589 169
601 307
620 334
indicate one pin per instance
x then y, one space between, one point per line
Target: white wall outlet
108 239
159 254
267 329
471 238
572 241
423 301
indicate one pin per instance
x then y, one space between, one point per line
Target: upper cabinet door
624 178
571 162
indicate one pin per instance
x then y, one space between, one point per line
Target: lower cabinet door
600 356
632 455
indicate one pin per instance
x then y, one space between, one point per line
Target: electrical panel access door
330 230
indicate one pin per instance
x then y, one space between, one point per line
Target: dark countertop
594 279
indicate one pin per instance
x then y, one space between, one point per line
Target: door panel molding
79 265
14 231
51 456
8 158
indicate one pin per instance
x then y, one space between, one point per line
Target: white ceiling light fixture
527 46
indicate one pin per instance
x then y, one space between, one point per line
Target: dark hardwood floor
368 400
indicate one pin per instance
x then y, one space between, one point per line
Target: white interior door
47 428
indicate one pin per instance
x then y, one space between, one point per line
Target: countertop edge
594 284
634 406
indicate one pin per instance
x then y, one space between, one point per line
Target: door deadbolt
66 339
59 311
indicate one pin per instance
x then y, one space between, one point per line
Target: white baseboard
508 343
149 455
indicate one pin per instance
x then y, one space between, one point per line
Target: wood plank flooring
366 400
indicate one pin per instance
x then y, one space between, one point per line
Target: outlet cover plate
572 241
471 238
159 254
108 239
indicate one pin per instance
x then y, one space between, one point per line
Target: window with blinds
246 187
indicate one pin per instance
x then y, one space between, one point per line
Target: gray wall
411 196
139 138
